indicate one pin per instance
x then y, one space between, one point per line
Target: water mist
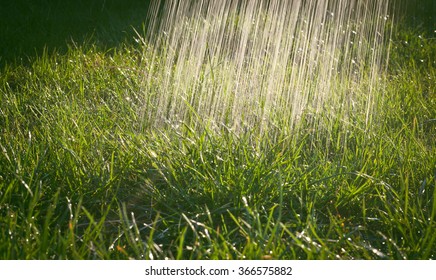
264 63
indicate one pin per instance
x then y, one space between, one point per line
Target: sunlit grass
85 172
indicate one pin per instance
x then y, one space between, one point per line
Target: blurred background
28 27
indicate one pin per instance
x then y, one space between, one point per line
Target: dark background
27 27
418 14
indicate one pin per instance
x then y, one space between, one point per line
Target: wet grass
84 176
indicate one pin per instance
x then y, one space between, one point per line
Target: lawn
91 169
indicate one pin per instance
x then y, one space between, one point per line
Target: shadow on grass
28 28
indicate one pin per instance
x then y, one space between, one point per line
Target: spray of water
263 63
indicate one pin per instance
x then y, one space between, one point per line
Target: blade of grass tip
191 225
404 180
92 224
150 241
271 221
127 227
180 248
293 236
47 221
8 191
24 184
137 241
236 220
74 218
34 202
111 176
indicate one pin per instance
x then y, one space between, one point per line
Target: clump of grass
92 168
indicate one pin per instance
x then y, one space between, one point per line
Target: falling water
263 63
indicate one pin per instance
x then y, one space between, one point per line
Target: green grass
84 176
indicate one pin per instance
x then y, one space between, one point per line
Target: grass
85 175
